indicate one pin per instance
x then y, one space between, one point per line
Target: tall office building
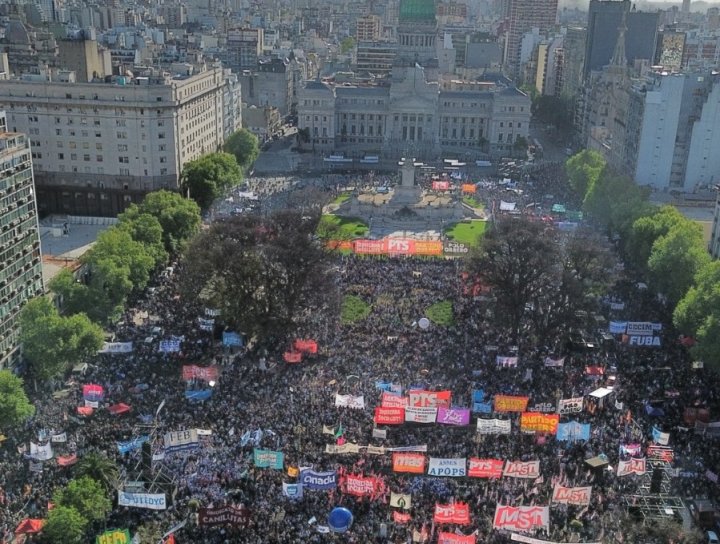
368 28
21 268
604 18
524 16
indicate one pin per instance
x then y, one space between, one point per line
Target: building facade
97 147
525 15
21 271
367 28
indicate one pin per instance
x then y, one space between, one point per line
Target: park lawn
353 309
334 227
342 197
473 202
466 232
441 313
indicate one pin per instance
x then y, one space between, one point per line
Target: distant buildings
21 269
524 16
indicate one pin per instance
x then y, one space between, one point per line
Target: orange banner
409 462
428 247
339 245
505 403
369 247
539 422
469 188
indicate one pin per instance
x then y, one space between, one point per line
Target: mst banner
226 515
521 518
572 495
520 469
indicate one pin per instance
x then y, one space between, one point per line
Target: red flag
170 539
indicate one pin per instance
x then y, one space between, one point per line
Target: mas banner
268 459
114 536
539 422
181 440
520 469
409 462
453 416
348 401
457 513
224 515
206 374
573 431
429 399
389 416
485 468
454 468
521 518
572 495
318 480
420 415
632 466
494 426
570 406
505 403
151 501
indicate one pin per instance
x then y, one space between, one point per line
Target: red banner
306 346
400 246
360 486
369 247
429 399
458 513
292 357
389 416
67 460
485 468
452 538
204 373
339 245
440 185
399 517
393 401
594 370
409 462
84 410
504 403
539 422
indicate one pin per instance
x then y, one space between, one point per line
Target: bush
441 313
354 309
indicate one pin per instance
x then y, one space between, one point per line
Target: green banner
114 536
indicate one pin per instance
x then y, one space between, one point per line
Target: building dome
417 11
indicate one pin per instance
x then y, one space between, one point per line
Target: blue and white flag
206 324
573 431
660 437
199 394
232 339
170 346
293 491
617 327
133 444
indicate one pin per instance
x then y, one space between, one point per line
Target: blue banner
293 491
170 346
133 444
269 459
482 407
478 395
573 431
318 480
617 327
199 394
232 339
393 388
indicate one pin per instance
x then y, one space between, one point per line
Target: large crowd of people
261 402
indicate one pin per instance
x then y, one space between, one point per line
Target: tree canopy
14 404
583 170
98 467
85 495
66 525
243 144
205 179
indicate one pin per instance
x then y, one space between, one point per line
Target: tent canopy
29 526
601 392
120 408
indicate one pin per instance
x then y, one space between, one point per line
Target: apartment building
97 147
21 269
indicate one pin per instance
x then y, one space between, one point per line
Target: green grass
334 227
473 202
342 197
353 309
441 313
466 232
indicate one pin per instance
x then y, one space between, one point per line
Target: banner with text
349 401
579 496
453 416
318 480
539 422
521 518
150 501
485 468
522 469
570 406
420 415
268 459
224 515
457 513
506 403
409 462
454 468
494 426
429 399
389 416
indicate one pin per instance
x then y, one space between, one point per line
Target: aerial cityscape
387 271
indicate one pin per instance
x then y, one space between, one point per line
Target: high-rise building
604 17
526 15
21 269
97 147
368 28
686 6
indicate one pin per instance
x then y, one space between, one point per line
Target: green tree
614 202
646 230
146 230
51 343
85 495
179 217
583 170
100 468
553 110
64 525
14 404
348 44
205 179
117 246
675 259
243 144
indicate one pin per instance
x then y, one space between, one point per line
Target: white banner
447 467
41 453
632 466
420 415
506 362
570 406
642 328
348 401
550 362
61 437
151 501
181 440
520 469
379 433
494 426
572 495
92 403
116 347
529 540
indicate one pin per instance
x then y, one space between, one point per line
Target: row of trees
657 243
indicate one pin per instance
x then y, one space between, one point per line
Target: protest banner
198 394
521 518
554 363
485 468
92 404
617 327
318 480
114 536
360 486
579 496
113 348
521 469
505 403
631 466
453 416
642 328
60 437
400 500
130 445
420 415
494 426
440 185
529 540
662 453
454 538
171 345
349 401
630 449
232 339
150 501
506 361
204 373
68 460
572 431
539 422
429 399
268 459
379 433
469 188
348 447
306 346
224 515
93 392
292 357
660 437
570 406
206 324
181 440
401 517
369 247
454 468
389 416
41 452
394 388
375 450
457 513
391 400
422 448
428 247
409 462
292 491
